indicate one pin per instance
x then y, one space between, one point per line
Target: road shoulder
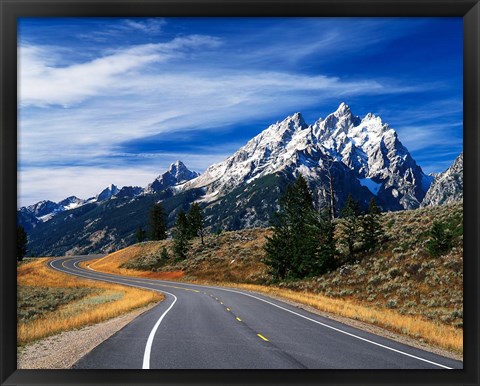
63 350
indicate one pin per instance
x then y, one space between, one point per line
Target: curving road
205 327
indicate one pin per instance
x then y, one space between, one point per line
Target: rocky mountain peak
176 173
447 186
107 193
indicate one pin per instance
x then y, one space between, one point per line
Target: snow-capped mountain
366 147
447 186
176 174
45 210
343 154
107 193
373 151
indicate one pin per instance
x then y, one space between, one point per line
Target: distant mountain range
343 153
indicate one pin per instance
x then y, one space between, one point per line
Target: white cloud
42 82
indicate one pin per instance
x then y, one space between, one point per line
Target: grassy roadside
436 334
49 302
400 288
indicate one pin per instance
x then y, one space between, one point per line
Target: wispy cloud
102 34
42 82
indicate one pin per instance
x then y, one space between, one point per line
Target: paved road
204 327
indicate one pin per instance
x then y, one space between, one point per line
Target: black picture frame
12 9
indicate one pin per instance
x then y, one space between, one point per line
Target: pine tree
140 235
349 225
22 241
326 247
371 228
291 249
195 221
158 229
440 240
164 254
181 236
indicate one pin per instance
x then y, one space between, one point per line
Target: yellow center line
262 337
221 302
228 309
239 319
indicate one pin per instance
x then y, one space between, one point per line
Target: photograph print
240 193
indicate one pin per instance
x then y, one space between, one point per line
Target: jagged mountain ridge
32 215
447 186
363 157
366 147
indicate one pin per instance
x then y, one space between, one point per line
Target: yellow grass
447 337
76 314
417 326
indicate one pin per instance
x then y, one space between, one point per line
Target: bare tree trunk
331 191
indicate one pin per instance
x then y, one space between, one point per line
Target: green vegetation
349 226
440 240
158 228
140 234
371 229
301 244
196 226
181 236
34 302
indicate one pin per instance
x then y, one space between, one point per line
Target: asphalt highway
206 327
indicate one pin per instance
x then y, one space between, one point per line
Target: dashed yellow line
262 337
239 319
228 309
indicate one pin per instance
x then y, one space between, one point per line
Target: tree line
304 240
187 226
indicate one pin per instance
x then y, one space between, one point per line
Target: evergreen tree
371 228
195 221
140 235
440 240
292 247
158 229
181 236
164 254
349 225
22 241
326 247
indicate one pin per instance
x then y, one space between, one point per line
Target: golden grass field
41 289
400 287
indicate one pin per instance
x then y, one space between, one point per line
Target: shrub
440 240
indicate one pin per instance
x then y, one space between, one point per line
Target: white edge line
320 323
148 347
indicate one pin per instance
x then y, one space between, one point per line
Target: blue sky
108 100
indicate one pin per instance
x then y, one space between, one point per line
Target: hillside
400 279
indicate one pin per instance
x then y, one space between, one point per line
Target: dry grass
400 287
447 337
89 301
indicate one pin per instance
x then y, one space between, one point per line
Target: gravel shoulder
63 350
